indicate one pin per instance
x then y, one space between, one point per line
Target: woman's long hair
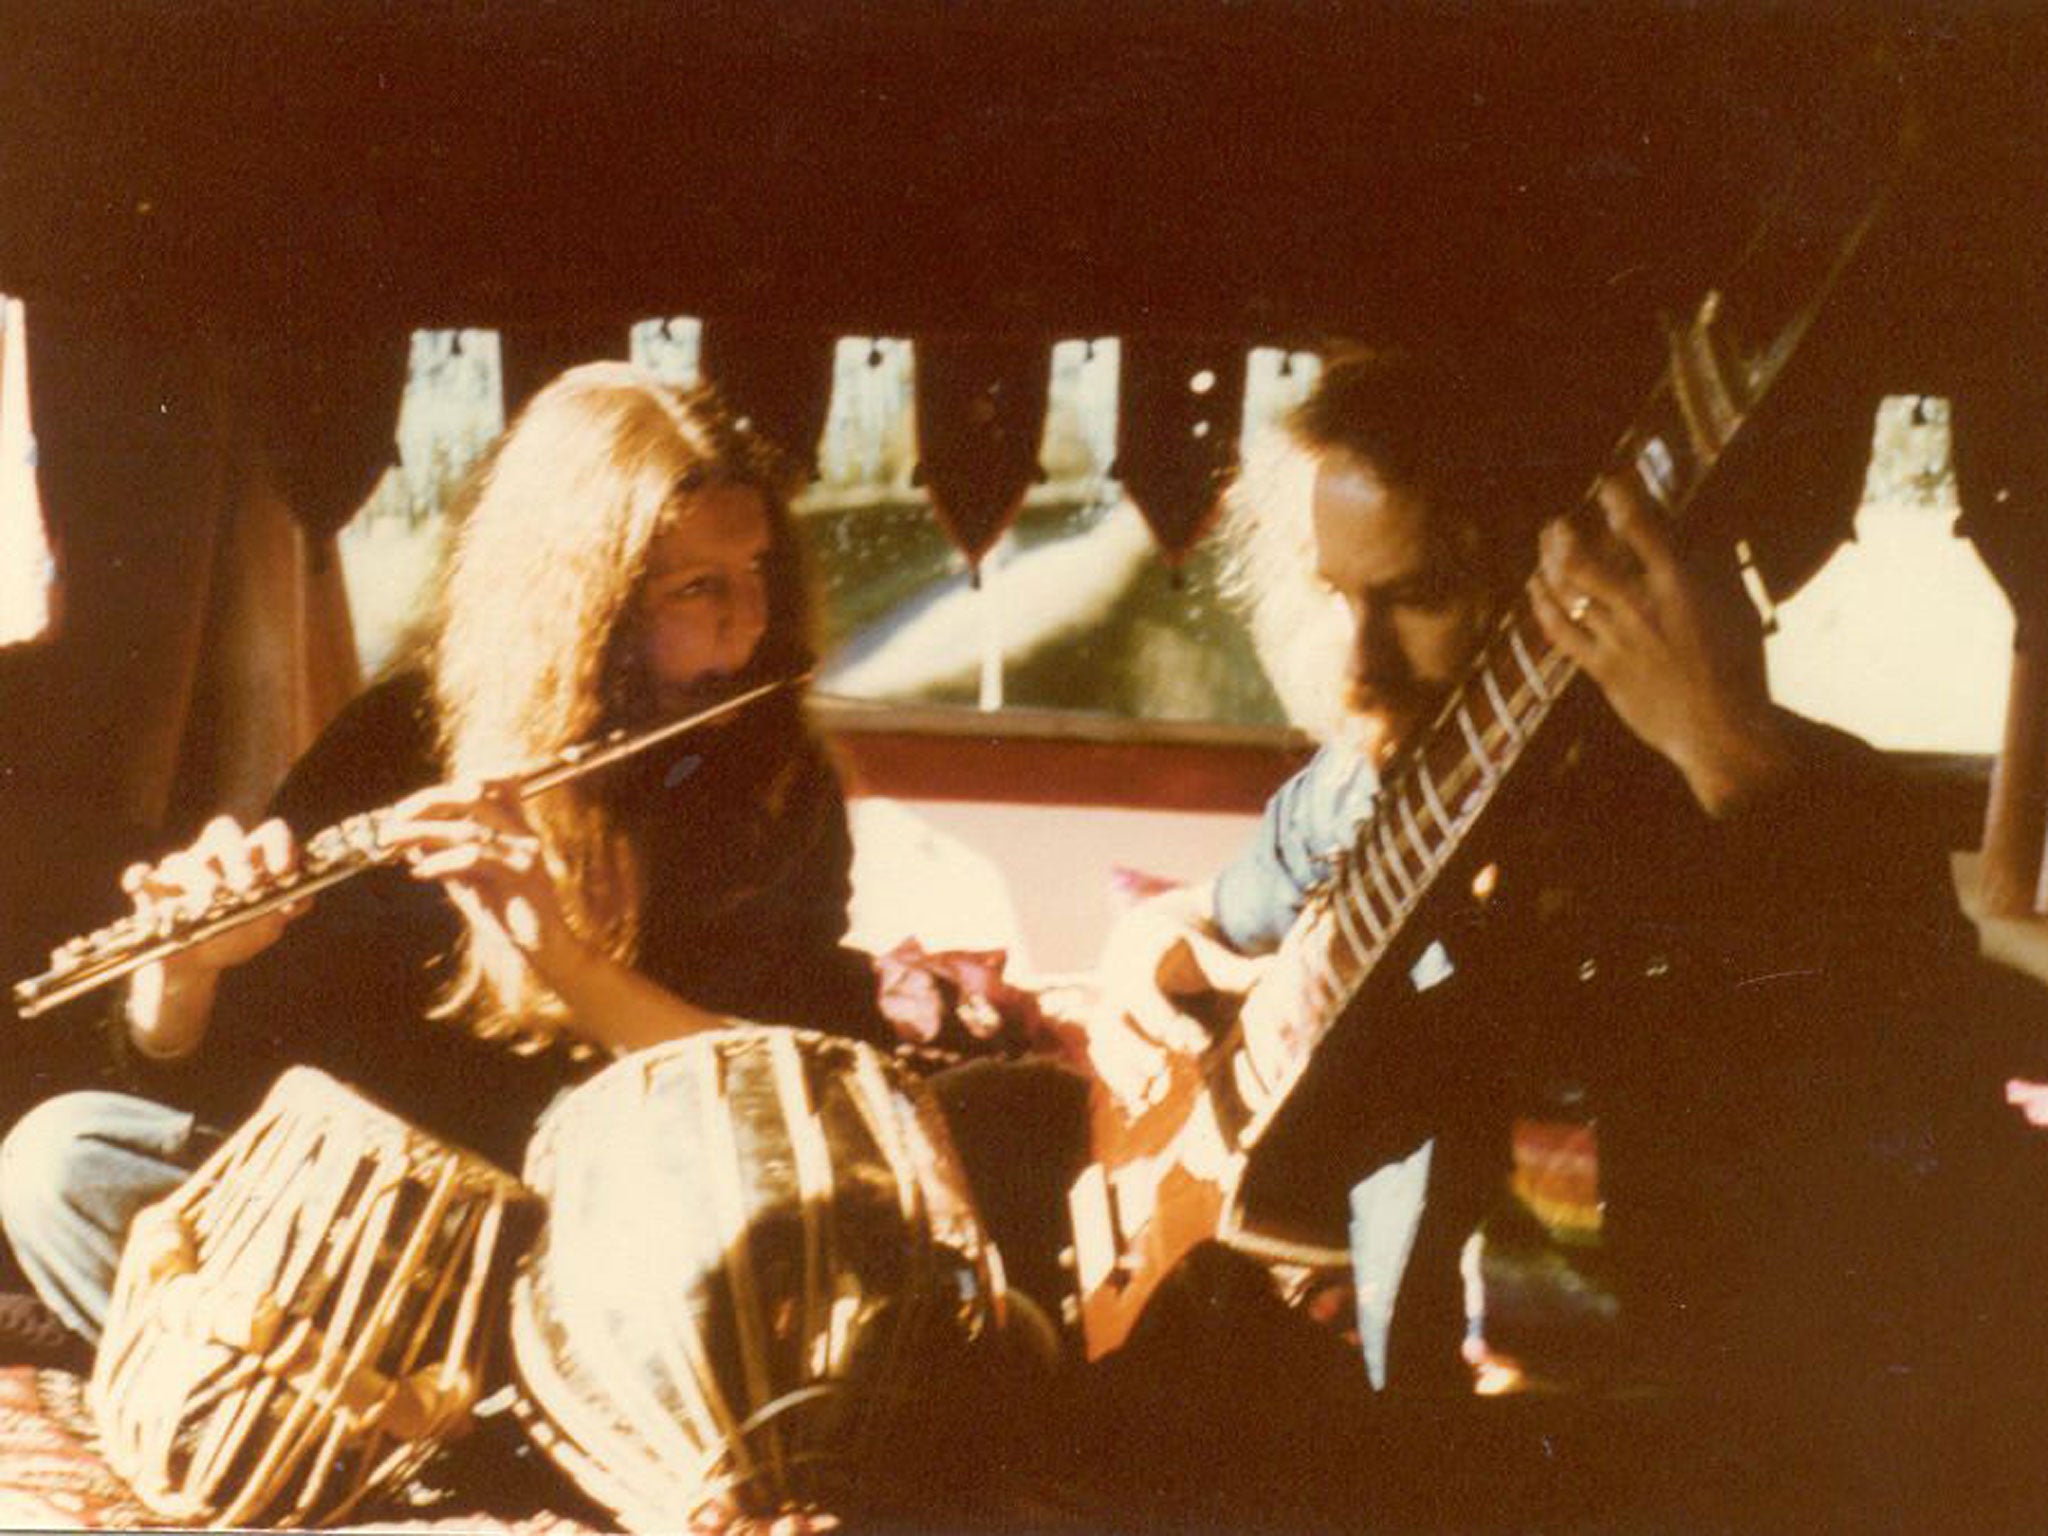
533 645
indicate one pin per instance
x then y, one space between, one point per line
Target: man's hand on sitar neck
1675 648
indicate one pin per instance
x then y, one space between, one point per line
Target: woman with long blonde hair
624 556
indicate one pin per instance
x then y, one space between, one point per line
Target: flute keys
69 956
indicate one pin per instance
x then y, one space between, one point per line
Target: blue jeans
74 1172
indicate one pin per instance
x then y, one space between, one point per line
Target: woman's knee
38 1166
73 1158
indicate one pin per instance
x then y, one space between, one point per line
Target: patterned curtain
980 418
780 381
1180 410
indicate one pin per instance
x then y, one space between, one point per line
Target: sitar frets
1376 884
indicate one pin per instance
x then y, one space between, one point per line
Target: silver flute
328 857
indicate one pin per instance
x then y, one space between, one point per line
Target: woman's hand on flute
475 840
170 1000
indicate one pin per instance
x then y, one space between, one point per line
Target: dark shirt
1749 1010
744 910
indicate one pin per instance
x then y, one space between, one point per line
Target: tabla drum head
761 1276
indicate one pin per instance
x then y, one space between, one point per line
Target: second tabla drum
761 1275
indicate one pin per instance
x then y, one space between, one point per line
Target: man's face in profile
1416 611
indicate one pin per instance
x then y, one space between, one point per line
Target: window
1903 637
448 415
1075 609
28 569
668 347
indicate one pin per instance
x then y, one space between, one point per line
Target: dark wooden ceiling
1528 173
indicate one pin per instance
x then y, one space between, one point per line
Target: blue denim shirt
1307 822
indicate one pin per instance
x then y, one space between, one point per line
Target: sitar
1174 1176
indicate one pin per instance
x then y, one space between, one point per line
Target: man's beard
1379 721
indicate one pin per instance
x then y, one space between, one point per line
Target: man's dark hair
1444 432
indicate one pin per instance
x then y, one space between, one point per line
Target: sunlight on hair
1301 633
27 568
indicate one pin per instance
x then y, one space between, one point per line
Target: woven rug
50 1477
53 1478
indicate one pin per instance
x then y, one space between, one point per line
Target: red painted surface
1224 777
1060 818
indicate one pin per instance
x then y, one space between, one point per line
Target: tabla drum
305 1319
761 1281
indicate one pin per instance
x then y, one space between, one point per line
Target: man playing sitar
1703 921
